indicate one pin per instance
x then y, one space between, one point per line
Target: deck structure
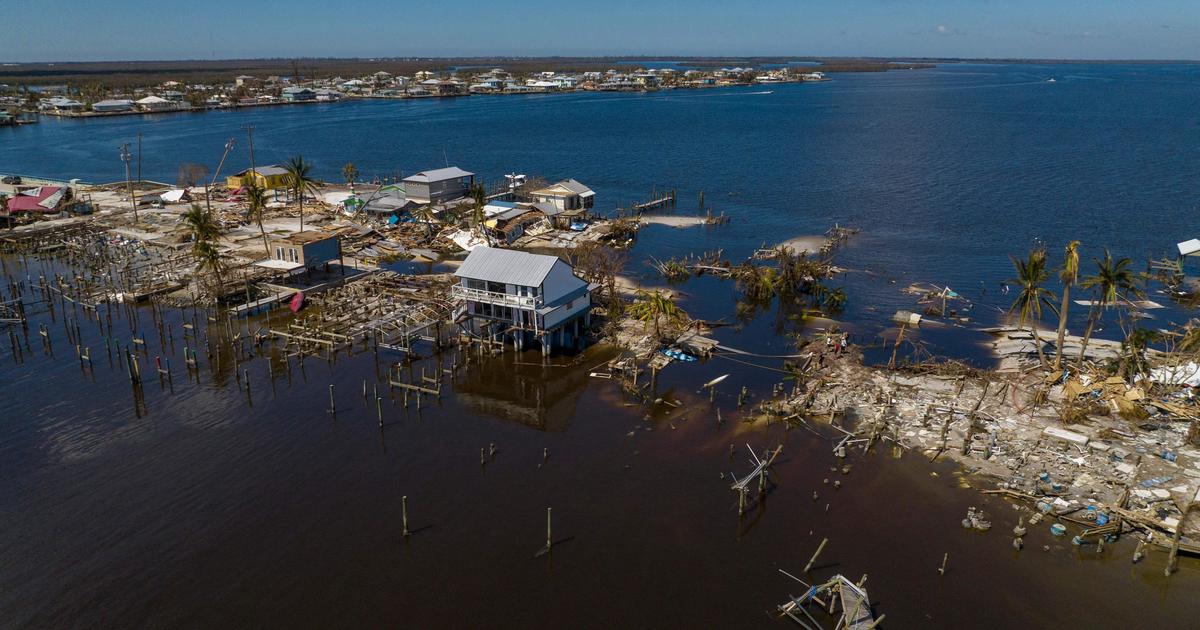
838 597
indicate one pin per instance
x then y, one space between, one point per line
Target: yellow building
266 177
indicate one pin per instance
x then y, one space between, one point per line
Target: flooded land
666 403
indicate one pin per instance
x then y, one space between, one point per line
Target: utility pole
250 136
250 140
208 186
139 158
125 157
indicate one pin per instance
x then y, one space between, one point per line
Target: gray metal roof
508 266
511 213
437 175
547 208
574 186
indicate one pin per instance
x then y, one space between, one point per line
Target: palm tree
1135 345
477 216
1031 275
300 181
478 194
201 225
205 231
651 306
426 215
256 197
350 172
1113 281
1068 274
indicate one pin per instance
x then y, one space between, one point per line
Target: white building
60 104
522 297
155 104
566 195
113 105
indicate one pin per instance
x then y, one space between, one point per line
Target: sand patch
811 244
628 287
673 221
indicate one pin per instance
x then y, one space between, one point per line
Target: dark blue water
947 171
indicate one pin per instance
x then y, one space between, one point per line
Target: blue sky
71 30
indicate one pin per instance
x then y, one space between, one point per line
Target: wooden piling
1172 558
813 559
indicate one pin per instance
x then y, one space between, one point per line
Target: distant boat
1051 80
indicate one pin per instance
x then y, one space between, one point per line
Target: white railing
492 297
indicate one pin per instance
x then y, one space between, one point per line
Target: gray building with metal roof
522 296
439 185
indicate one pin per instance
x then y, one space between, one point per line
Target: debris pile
1129 452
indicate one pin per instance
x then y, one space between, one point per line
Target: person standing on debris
842 345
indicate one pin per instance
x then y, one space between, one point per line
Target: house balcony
461 292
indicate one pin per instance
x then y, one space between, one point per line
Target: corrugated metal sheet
547 208
575 187
1189 247
508 266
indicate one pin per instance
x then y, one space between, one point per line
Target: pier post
404 516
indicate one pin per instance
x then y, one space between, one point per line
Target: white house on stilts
515 296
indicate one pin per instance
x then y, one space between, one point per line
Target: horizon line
631 57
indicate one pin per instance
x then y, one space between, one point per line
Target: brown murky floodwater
201 508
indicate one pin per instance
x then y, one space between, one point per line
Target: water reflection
522 388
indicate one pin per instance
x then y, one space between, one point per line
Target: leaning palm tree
1031 275
300 181
256 197
1068 274
651 306
1114 281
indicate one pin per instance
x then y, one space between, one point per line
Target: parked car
11 180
